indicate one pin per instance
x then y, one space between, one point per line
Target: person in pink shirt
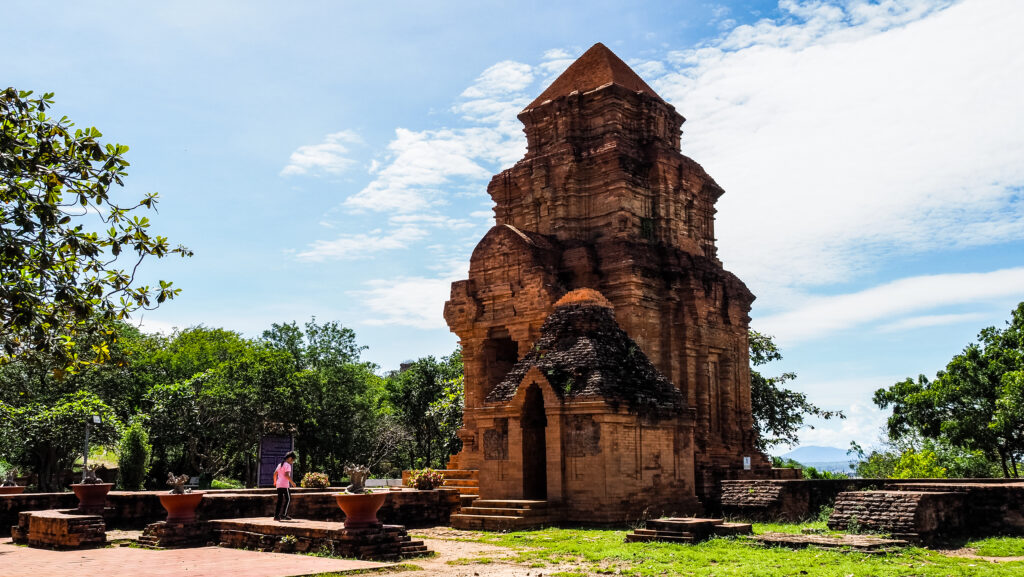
283 482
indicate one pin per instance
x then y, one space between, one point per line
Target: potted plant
91 492
10 485
180 503
359 505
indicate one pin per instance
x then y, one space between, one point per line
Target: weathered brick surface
139 509
59 529
790 499
385 543
921 516
604 200
993 505
164 535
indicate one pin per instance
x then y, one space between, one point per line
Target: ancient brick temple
559 405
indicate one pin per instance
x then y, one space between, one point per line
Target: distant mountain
817 455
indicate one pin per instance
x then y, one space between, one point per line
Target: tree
133 456
48 438
424 397
779 413
974 404
63 237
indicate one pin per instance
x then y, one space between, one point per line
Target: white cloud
863 424
506 77
416 302
423 169
845 132
363 245
926 321
328 157
819 316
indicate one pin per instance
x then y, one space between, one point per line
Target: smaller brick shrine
585 420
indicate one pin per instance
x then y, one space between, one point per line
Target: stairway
467 481
503 515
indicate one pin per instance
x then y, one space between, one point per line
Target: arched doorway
535 463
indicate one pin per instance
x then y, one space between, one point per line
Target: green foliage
315 481
427 398
975 404
913 464
133 456
226 484
425 479
779 412
63 236
48 438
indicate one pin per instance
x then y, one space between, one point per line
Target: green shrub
226 484
426 479
133 456
315 481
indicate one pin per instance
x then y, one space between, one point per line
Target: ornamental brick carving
604 200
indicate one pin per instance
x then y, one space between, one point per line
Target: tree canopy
975 404
69 249
779 413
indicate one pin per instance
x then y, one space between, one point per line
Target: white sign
746 463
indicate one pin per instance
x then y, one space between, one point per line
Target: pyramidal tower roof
598 66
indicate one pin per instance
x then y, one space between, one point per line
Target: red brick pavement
198 562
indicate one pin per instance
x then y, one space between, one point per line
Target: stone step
475 491
635 538
651 532
462 483
466 500
511 503
496 522
502 511
460 474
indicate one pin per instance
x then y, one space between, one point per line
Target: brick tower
603 200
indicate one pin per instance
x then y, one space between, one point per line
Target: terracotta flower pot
92 498
15 490
360 509
181 508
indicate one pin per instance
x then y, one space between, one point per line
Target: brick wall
137 509
920 516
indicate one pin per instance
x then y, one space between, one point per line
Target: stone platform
384 543
863 543
59 529
687 530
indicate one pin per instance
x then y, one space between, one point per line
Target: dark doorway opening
535 462
500 355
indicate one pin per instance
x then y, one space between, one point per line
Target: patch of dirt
114 535
451 545
968 553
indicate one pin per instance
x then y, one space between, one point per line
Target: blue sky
331 158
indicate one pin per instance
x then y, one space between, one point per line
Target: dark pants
284 499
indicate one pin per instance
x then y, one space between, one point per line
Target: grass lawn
998 546
597 552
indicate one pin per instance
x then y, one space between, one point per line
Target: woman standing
283 481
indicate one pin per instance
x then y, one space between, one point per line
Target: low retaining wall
798 499
138 509
918 516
